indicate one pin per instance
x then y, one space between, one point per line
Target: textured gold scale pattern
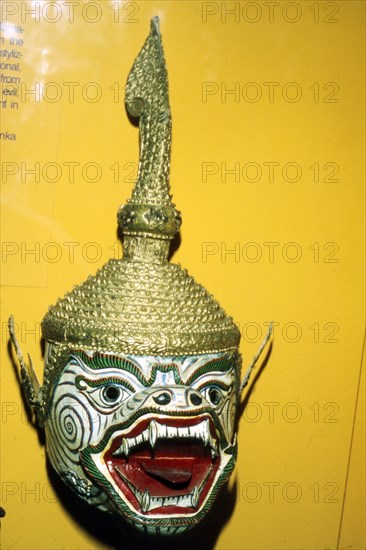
140 308
142 304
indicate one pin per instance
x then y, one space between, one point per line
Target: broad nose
177 397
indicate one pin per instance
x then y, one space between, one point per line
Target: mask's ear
30 383
255 359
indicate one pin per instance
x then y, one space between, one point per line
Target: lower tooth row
148 503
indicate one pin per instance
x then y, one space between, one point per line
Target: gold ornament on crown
143 304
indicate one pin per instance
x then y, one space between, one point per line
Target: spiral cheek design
71 427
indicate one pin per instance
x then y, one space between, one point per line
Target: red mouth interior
174 467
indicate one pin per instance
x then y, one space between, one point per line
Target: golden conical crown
142 304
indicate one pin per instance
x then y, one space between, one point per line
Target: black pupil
214 396
111 393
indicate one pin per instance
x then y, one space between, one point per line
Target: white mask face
150 438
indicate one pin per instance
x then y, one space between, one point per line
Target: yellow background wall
267 169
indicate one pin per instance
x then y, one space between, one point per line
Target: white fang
157 430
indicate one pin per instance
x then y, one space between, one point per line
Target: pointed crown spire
150 213
142 304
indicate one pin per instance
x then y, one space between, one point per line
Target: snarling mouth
165 466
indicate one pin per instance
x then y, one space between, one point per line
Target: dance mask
142 369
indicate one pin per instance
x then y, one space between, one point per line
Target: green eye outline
97 391
81 382
215 392
99 396
117 394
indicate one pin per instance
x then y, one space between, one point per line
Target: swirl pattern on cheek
72 423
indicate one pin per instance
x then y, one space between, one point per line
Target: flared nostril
195 399
163 398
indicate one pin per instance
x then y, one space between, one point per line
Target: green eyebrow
219 364
101 361
102 382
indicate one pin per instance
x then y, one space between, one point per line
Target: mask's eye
109 395
112 394
213 395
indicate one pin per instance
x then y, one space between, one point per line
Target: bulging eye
213 395
109 395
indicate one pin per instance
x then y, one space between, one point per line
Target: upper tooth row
156 431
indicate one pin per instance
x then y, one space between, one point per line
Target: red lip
165 466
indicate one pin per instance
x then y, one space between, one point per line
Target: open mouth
165 466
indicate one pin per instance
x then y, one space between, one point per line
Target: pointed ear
33 377
255 359
30 383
